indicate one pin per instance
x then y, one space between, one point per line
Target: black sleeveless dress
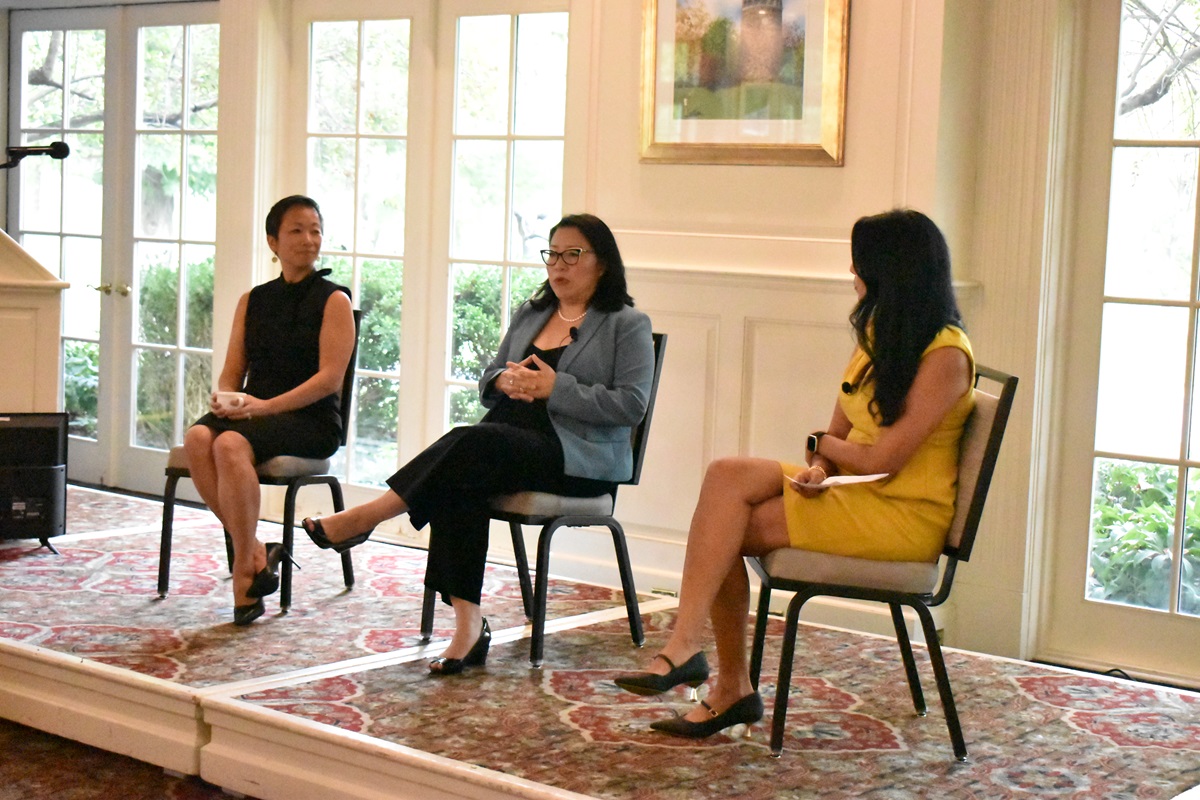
283 350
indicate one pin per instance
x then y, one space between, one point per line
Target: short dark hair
903 260
275 215
612 292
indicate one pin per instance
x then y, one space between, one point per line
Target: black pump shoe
316 532
266 580
244 615
746 711
476 657
693 672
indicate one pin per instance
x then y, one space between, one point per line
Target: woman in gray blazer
570 381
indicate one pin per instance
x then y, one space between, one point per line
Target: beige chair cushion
541 504
914 577
280 467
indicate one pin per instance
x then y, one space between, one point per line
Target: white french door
126 218
1125 584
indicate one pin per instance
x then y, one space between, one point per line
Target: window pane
81 386
341 270
159 168
85 75
155 425
381 204
197 387
41 193
42 66
334 77
81 303
1141 340
45 249
476 320
375 451
537 197
523 284
198 300
331 184
465 408
83 200
160 95
1133 519
381 294
481 95
200 199
385 77
1152 208
158 293
1157 54
203 75
1189 587
541 80
478 204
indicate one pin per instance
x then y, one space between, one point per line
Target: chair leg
339 504
168 523
943 681
910 664
785 673
289 539
427 606
628 588
540 591
522 558
760 633
228 549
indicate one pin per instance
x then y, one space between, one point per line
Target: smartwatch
814 441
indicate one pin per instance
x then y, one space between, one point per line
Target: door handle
122 289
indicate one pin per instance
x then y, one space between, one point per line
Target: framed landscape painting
744 81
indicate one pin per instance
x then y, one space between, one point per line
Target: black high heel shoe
693 672
475 657
244 615
266 580
746 711
316 532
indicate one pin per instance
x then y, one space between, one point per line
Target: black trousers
448 486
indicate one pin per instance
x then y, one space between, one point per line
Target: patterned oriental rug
347 667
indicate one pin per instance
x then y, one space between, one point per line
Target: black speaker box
33 475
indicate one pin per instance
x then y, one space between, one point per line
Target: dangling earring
275 259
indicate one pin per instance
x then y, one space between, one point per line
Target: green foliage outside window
1133 523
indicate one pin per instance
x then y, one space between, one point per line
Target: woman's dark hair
611 291
275 215
904 262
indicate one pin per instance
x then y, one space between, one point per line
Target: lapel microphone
574 334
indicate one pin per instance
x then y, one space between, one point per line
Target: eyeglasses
570 257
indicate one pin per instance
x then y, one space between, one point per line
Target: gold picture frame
766 88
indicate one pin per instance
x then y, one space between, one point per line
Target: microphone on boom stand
57 150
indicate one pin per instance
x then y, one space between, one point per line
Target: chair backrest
346 398
641 432
978 451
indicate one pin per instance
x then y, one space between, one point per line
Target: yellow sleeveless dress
901 518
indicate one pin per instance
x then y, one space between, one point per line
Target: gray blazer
601 390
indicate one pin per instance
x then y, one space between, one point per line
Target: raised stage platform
333 700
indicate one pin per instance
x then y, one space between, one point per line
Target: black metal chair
912 584
552 512
290 471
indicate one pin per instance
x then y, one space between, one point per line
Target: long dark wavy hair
611 292
904 262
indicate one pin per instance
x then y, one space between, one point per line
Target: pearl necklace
572 320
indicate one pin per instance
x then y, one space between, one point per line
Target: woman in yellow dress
904 400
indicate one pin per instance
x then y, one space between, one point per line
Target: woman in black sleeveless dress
292 340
